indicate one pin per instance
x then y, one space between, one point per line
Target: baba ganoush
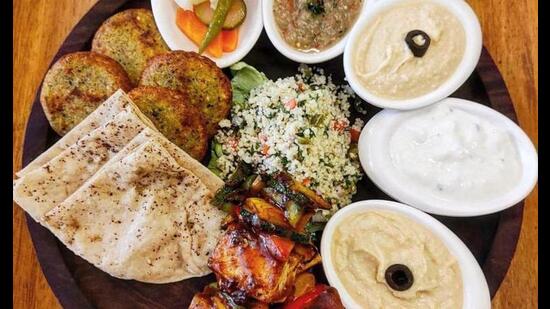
409 50
453 154
315 25
385 260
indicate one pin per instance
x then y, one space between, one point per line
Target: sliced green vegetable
215 27
218 149
235 15
245 78
293 213
239 175
227 207
248 182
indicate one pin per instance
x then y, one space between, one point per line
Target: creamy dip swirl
386 66
452 154
366 244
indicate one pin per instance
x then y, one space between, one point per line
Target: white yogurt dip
455 155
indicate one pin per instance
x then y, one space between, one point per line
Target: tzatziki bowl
312 56
406 54
397 251
453 158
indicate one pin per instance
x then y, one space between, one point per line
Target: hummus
366 244
384 63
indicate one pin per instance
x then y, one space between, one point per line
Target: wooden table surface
510 30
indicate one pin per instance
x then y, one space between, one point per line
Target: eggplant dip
315 25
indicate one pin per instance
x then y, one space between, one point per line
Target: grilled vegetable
321 297
215 27
266 211
254 184
305 283
274 196
300 227
319 201
293 213
239 175
279 247
235 16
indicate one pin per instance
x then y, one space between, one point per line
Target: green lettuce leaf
245 78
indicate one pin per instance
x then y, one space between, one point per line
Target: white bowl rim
296 55
228 59
475 289
372 149
472 53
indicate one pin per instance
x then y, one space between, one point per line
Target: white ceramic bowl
471 55
475 289
376 161
164 12
291 53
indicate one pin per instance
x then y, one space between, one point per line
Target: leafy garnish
245 78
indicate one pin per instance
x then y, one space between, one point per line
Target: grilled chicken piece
260 266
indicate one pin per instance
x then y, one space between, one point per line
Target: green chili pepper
215 27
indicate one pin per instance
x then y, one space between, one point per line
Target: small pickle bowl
475 289
164 12
471 56
291 53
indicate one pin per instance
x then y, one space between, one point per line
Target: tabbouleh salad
297 124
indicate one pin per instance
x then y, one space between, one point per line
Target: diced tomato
354 135
307 298
233 143
306 181
291 104
279 247
340 125
265 149
237 210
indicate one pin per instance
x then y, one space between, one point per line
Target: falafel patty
198 77
76 85
130 37
174 117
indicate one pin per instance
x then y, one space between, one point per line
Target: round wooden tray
77 284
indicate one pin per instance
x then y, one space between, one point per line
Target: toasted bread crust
76 85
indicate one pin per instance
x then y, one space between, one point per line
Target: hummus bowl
294 54
378 56
475 292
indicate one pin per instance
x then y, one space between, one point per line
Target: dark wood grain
77 284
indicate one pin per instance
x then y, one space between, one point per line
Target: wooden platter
77 284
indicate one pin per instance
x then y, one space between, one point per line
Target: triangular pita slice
45 187
141 217
104 113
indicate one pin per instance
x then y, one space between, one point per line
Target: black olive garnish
418 50
316 7
399 277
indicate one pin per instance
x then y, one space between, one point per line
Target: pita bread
141 217
106 112
45 187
